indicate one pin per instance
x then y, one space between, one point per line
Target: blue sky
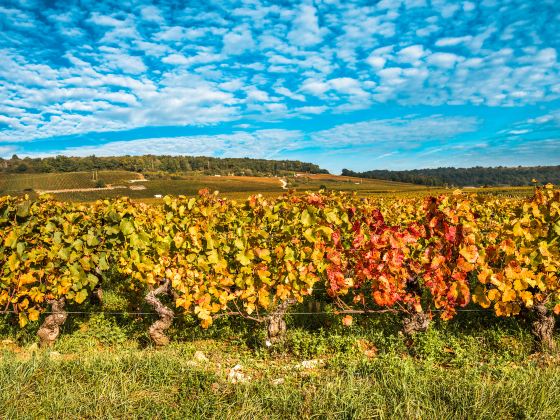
393 84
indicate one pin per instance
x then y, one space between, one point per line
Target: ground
102 367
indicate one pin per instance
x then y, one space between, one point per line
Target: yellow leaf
483 275
519 285
527 298
470 253
493 294
22 319
264 300
33 314
480 297
508 295
81 296
518 230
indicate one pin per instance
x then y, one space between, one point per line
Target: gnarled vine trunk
543 327
415 322
97 295
50 329
97 292
276 324
166 315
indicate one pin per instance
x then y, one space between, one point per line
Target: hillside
463 177
93 185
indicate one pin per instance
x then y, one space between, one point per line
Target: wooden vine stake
166 315
50 329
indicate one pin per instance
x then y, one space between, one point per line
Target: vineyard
418 259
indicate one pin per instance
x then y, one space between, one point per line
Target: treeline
153 163
463 177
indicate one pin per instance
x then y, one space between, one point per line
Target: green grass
474 367
162 384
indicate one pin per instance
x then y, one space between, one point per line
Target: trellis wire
357 312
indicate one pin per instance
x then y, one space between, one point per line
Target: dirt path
284 184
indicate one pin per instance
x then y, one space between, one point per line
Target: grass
163 384
474 367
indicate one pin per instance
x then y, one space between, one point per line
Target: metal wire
357 312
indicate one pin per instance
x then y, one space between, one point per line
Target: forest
153 163
466 177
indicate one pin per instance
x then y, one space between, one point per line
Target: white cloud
103 20
305 28
451 42
397 132
411 53
126 63
281 90
343 85
376 62
444 60
346 85
175 59
238 41
151 14
174 33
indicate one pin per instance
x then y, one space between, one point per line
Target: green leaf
332 217
243 258
81 296
20 248
306 218
64 253
11 240
92 280
57 238
92 240
103 263
23 210
127 228
213 257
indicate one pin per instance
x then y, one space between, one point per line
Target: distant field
229 186
27 183
344 183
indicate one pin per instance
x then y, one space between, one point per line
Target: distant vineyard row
415 257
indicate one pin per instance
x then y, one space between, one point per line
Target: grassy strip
124 382
102 367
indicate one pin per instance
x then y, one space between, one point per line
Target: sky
390 84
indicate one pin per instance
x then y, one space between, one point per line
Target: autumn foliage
427 256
